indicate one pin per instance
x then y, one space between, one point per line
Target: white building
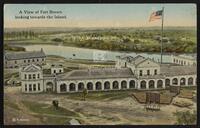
130 73
56 69
32 79
184 60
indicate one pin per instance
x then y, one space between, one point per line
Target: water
90 54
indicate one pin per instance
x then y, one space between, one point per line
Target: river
90 54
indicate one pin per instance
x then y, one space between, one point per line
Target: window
24 61
15 62
54 71
25 87
140 72
29 76
174 60
29 61
148 72
33 60
37 60
38 86
25 77
38 76
42 59
30 87
34 87
33 76
155 71
184 63
60 70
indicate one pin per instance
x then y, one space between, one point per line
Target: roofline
25 58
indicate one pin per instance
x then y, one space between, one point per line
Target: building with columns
129 73
184 59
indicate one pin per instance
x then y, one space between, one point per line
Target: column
128 84
138 84
94 85
67 86
147 84
76 87
119 85
111 86
102 84
186 81
155 82
163 83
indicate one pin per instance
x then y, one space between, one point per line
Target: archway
107 85
182 81
190 81
159 84
115 85
80 86
167 82
143 84
123 84
151 84
72 87
63 87
132 84
175 81
98 86
49 87
89 86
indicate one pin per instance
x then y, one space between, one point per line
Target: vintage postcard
100 64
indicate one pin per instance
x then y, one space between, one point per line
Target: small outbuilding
57 68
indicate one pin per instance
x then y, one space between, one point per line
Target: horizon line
96 27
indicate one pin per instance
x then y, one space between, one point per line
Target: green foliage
13 48
181 40
57 40
18 35
186 117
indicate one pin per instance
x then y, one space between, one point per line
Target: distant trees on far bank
20 35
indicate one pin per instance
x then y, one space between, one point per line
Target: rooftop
56 65
24 55
97 73
31 68
170 70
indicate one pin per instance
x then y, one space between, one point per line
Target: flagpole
161 49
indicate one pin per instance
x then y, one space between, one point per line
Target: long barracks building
129 73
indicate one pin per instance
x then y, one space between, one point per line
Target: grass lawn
47 109
109 95
11 105
48 120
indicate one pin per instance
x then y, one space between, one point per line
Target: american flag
156 15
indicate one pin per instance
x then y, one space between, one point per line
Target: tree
186 117
55 104
85 93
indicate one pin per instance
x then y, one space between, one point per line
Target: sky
102 15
